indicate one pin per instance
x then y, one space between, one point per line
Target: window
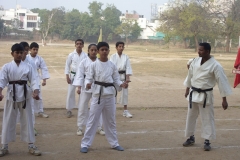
31 25
31 17
21 14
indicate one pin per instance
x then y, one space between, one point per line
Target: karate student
16 75
204 72
105 75
85 95
32 64
123 64
41 65
72 63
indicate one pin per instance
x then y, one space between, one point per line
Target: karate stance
105 75
204 72
85 95
16 75
123 64
72 63
41 65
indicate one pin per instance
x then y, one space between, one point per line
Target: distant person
16 75
85 95
43 74
203 74
123 64
104 74
72 63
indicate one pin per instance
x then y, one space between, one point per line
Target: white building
20 18
149 29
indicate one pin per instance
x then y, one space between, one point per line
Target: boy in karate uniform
123 64
203 74
41 65
72 63
16 75
85 95
105 75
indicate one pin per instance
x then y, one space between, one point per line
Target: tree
187 19
2 28
127 28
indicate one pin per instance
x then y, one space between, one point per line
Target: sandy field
156 100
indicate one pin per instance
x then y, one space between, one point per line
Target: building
20 18
149 29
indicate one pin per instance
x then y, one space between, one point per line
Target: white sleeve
90 75
68 64
3 77
128 67
44 69
115 76
187 82
33 79
222 81
79 77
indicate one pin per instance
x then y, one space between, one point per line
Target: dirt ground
156 99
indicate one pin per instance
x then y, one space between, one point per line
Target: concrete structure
20 18
149 29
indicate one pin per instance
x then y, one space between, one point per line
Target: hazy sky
143 7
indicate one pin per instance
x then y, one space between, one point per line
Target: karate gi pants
33 116
83 112
107 108
38 104
123 100
71 100
10 120
207 118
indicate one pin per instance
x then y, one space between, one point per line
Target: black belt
20 82
122 72
199 91
73 72
102 84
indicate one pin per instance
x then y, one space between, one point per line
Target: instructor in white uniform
204 72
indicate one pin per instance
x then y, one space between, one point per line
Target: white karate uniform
32 64
123 64
40 65
204 77
85 95
12 72
72 63
103 72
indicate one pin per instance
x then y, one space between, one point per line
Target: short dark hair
24 44
206 46
118 43
79 40
102 44
34 45
17 47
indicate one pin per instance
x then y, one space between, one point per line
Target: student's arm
116 78
79 77
90 76
3 80
44 70
34 82
128 70
67 68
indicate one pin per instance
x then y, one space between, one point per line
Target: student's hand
79 90
187 92
35 94
89 85
68 80
124 85
128 81
224 103
44 82
1 97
